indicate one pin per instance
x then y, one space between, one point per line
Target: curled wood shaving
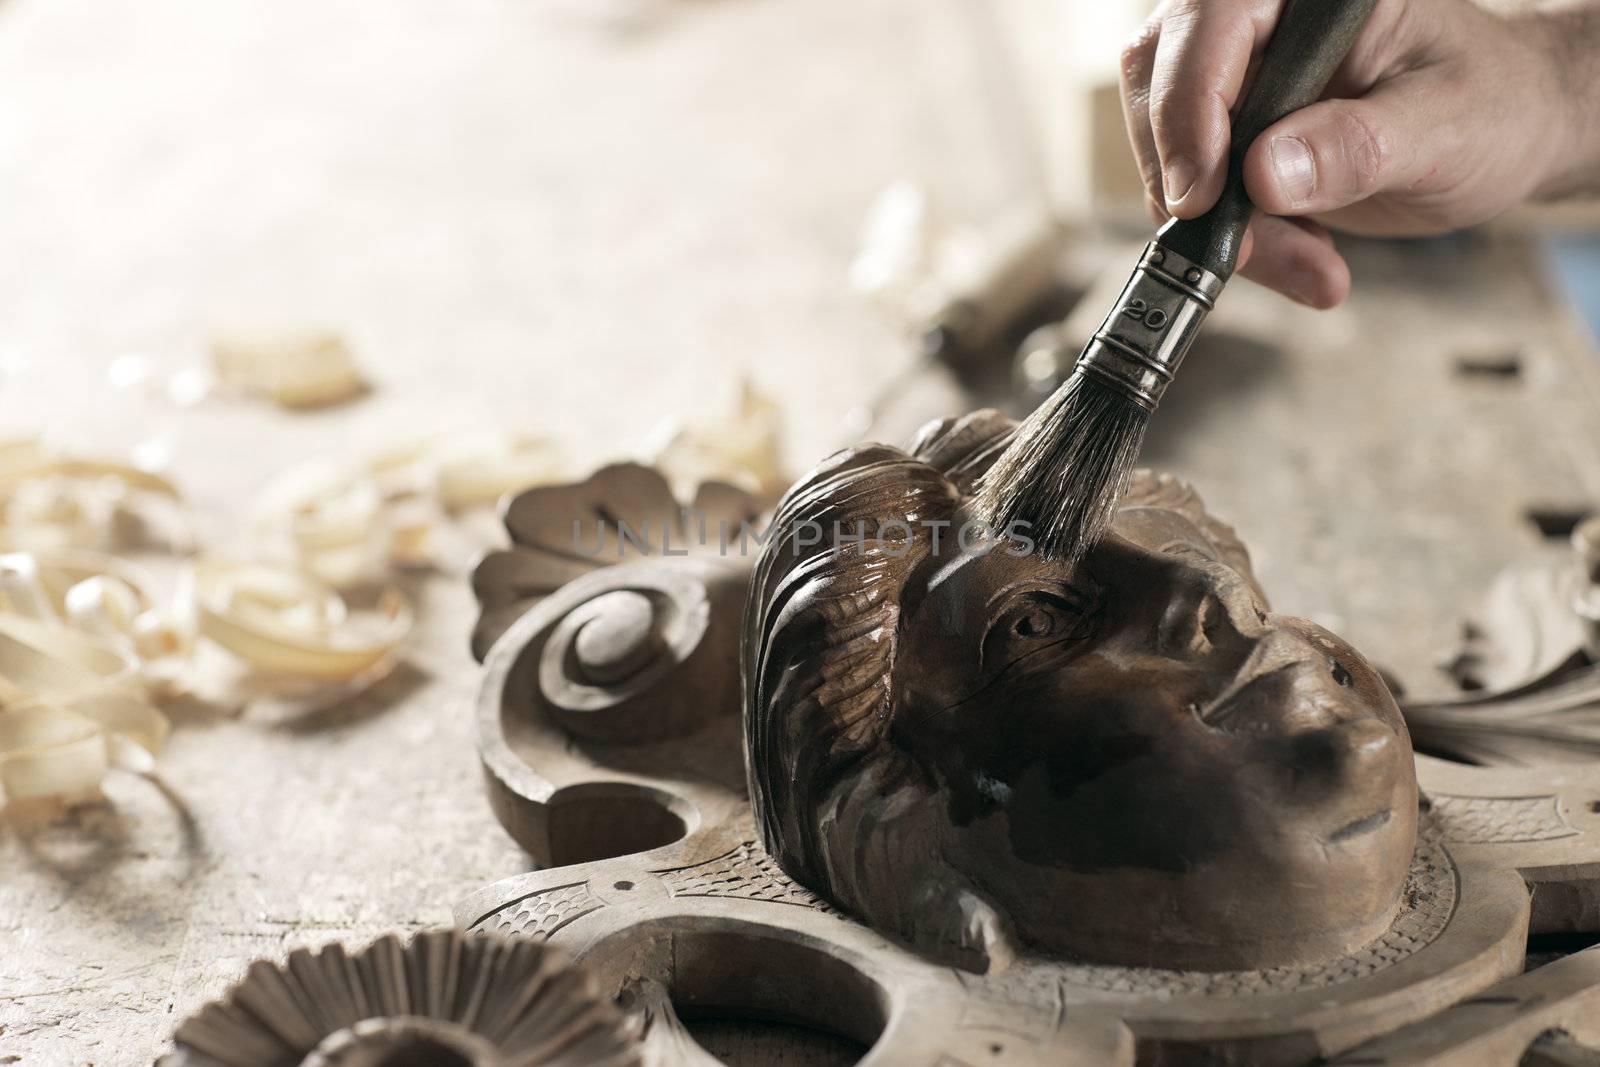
476 471
85 469
109 607
291 626
291 631
86 639
71 707
331 521
743 448
305 370
349 524
896 265
50 501
104 598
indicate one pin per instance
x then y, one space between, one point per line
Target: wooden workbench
578 217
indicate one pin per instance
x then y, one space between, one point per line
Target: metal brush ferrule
1139 346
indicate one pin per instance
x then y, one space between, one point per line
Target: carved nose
1209 605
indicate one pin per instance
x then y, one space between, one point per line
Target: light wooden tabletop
577 217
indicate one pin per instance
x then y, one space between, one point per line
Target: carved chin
953 894
1240 931
1294 901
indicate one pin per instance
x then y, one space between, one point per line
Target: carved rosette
446 998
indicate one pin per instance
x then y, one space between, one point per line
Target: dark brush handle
1311 40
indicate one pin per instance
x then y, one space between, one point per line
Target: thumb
1337 152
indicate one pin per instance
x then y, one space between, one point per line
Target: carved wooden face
1139 763
1133 762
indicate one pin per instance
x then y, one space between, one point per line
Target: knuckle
1183 114
1171 109
1164 99
1192 23
1368 152
1138 52
1149 171
1181 13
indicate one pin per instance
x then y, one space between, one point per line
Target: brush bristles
1066 468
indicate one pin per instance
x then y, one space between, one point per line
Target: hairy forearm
1574 35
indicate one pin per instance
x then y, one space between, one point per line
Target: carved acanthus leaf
1555 719
1525 630
622 513
1530 652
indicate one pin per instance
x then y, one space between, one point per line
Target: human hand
1443 115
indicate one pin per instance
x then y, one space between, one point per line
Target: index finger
1199 70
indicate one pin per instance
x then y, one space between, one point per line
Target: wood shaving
71 707
347 525
106 599
477 470
50 501
308 370
896 266
330 521
743 448
290 625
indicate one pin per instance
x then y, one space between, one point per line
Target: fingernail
1294 167
1177 178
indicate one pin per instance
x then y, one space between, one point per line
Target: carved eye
1034 622
1038 618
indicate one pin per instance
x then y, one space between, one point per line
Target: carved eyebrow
1173 547
1069 595
987 683
1052 591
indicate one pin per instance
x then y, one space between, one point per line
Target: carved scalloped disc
445 998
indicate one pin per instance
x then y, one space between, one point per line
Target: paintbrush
1060 478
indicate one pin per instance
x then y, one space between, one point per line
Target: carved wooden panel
714 890
658 883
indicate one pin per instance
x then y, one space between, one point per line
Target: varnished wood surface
579 216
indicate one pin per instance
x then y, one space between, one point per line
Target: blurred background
596 221
579 216
237 239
